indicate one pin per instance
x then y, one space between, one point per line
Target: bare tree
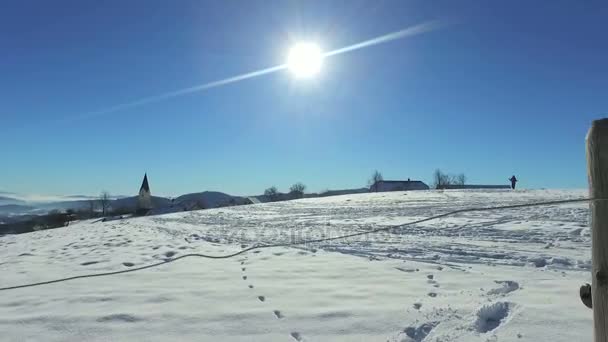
272 193
461 179
104 201
297 190
372 182
437 179
441 180
446 179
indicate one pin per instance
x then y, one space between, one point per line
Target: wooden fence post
597 171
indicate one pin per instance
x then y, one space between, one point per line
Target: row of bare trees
442 180
295 191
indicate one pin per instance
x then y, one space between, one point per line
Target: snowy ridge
472 277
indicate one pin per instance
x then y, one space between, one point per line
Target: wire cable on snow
302 242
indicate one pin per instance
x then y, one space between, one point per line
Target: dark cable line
301 242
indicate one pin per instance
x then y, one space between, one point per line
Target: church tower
144 201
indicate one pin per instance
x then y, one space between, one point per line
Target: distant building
144 201
384 185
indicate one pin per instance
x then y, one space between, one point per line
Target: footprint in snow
491 316
261 298
506 286
122 318
431 280
244 277
128 264
419 333
278 314
89 263
296 336
250 286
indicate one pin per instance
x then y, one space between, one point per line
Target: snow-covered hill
511 275
209 199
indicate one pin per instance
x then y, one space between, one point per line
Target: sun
305 60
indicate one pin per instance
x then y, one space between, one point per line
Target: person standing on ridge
513 181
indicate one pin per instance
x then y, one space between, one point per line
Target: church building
144 201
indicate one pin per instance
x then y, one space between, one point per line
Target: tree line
441 180
295 191
96 208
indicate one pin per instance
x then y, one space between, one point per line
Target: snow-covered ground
509 275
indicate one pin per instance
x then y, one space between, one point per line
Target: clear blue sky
502 88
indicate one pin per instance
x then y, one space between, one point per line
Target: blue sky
501 88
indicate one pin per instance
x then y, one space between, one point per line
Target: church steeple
144 200
144 184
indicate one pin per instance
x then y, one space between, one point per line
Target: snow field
497 276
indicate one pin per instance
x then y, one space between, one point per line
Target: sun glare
305 60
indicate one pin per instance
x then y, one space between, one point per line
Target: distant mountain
6 200
15 209
209 199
